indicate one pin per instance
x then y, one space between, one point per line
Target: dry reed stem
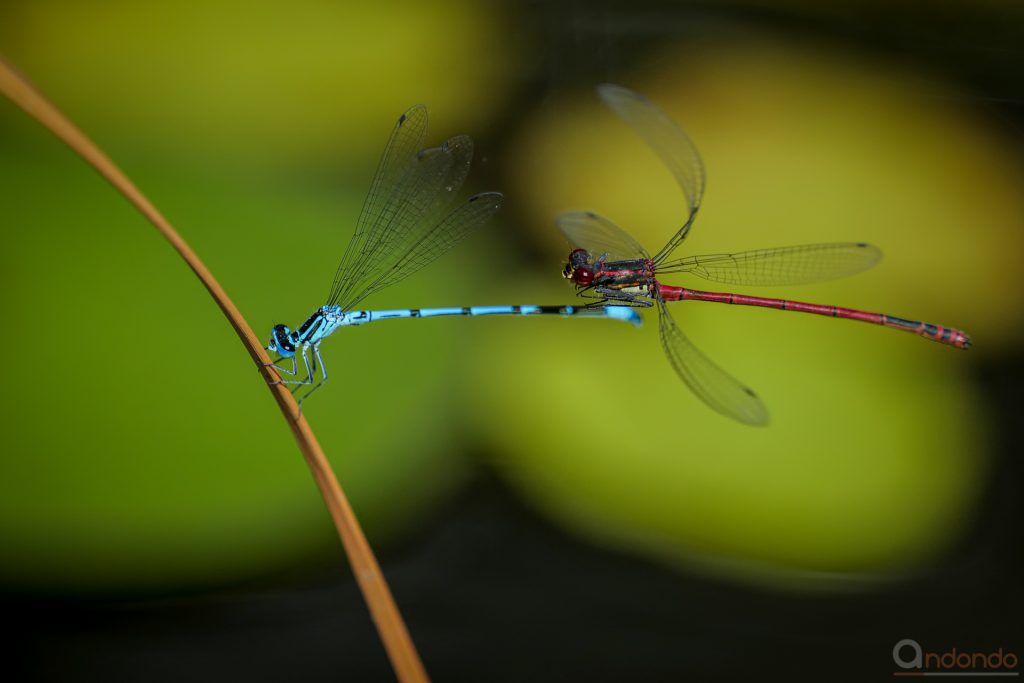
392 629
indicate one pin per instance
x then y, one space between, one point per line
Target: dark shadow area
492 592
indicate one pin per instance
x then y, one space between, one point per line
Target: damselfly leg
274 364
317 360
627 298
310 370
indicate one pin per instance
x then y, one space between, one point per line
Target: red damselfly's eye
583 276
579 258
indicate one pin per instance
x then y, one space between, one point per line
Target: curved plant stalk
392 629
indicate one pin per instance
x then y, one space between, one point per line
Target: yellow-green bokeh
876 453
142 452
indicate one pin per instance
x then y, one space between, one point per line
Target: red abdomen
943 335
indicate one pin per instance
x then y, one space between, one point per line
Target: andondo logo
913 660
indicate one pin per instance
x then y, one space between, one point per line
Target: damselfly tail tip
624 313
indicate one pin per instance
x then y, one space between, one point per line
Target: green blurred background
144 458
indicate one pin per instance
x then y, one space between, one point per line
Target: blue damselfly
405 224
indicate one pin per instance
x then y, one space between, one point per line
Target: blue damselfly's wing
669 142
598 235
406 209
405 141
781 266
428 185
713 385
437 174
445 234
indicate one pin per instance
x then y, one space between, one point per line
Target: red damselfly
610 266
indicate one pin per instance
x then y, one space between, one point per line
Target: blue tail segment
624 313
612 312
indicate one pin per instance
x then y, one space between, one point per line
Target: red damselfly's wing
782 266
598 235
669 142
713 385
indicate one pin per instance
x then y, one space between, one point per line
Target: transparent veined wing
669 142
437 174
408 198
781 266
405 141
428 186
445 234
598 235
713 385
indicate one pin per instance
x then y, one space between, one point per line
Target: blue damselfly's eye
280 341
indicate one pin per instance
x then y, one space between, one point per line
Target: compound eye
579 258
583 276
279 339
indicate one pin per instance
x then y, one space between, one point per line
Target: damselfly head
579 269
281 341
